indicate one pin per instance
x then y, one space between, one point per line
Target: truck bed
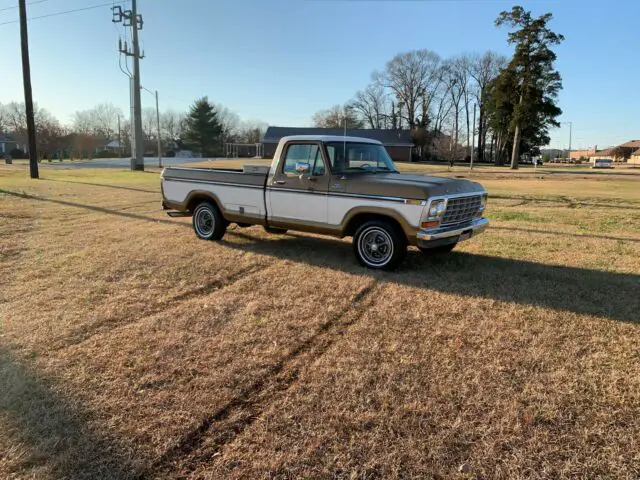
239 192
249 175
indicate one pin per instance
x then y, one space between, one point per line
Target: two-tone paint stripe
381 198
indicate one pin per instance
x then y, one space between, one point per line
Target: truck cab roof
327 138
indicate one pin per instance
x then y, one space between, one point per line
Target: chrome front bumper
442 236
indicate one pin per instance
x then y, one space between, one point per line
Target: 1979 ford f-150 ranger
340 186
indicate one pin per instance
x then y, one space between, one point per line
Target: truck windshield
358 157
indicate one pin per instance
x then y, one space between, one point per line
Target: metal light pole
344 143
345 120
157 124
570 135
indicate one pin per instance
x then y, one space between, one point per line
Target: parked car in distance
340 186
602 163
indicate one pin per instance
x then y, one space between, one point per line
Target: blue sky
281 60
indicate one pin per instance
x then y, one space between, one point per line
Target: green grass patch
515 216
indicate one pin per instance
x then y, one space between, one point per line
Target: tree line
435 97
89 131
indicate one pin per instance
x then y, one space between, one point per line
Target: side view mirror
303 168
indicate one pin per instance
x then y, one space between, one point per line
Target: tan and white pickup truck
340 186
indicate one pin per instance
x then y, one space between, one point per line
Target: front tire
441 250
208 222
379 245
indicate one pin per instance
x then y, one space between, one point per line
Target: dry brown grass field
130 349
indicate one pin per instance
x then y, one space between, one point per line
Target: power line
92 7
29 4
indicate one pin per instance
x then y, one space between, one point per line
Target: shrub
17 153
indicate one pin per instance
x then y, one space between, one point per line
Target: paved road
123 163
119 163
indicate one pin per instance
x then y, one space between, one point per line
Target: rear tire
442 250
275 230
208 222
379 245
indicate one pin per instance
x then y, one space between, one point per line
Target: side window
303 153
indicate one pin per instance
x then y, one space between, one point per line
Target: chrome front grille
462 209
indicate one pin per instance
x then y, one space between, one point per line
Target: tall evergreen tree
533 84
203 129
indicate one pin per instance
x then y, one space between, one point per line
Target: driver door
299 196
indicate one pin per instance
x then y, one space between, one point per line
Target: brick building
578 154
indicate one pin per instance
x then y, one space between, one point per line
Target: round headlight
440 209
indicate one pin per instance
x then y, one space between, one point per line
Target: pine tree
533 83
203 129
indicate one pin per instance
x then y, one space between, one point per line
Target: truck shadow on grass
49 435
578 290
570 289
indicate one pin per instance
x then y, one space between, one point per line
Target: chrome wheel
204 222
375 246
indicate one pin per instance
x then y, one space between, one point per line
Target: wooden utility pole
28 99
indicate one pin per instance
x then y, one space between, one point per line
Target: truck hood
409 185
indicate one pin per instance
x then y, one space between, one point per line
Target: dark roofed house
397 142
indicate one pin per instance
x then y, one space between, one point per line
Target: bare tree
483 69
334 117
15 118
455 89
372 104
48 128
149 122
99 121
171 124
229 120
442 106
251 131
462 67
3 119
412 78
49 136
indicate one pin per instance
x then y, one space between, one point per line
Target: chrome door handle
279 182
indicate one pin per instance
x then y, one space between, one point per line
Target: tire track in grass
84 334
204 442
